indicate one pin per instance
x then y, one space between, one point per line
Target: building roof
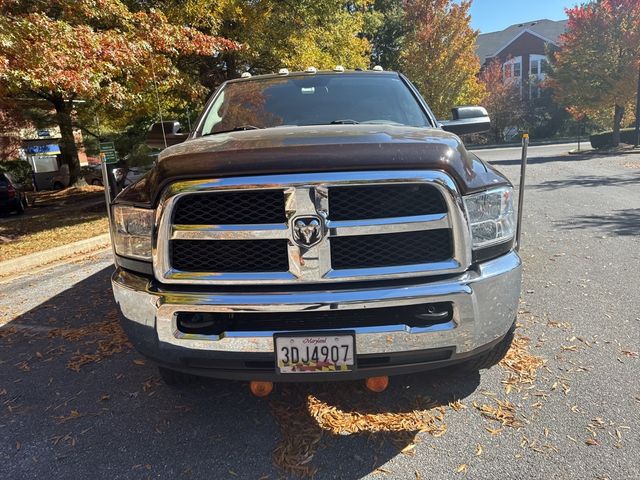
489 44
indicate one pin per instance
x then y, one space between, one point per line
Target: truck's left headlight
491 216
132 231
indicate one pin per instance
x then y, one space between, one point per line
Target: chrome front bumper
485 302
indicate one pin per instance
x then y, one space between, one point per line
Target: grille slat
231 208
384 201
410 248
230 255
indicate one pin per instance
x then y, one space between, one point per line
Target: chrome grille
230 255
384 201
409 248
219 208
241 230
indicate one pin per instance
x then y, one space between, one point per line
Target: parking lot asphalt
76 402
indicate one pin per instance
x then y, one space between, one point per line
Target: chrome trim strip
387 225
307 194
229 232
439 327
407 270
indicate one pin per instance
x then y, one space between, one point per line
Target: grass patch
55 219
58 197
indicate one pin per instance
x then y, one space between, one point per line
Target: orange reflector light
377 384
261 389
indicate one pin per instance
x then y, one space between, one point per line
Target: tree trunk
68 148
637 135
617 121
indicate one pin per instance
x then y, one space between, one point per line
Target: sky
493 15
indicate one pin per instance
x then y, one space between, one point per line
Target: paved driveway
77 403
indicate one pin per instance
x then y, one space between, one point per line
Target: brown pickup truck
317 225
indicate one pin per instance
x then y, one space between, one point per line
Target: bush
20 170
605 139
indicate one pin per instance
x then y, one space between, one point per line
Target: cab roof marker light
311 70
378 68
283 71
338 68
245 75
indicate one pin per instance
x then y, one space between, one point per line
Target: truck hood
324 148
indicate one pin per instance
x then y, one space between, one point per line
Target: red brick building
522 50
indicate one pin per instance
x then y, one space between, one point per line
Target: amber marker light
377 384
261 389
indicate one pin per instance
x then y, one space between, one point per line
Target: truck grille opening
230 255
231 208
419 316
359 226
369 251
384 201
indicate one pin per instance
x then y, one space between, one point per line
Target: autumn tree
96 51
385 28
596 70
274 34
438 53
502 100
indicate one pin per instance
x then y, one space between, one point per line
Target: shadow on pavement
114 418
620 222
533 159
591 181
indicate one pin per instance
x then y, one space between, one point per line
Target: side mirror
467 120
172 135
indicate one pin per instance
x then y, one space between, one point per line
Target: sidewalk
44 258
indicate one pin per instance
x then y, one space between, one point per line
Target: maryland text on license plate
315 353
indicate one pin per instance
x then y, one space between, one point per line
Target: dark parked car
11 198
92 175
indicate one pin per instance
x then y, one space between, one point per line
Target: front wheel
492 357
176 379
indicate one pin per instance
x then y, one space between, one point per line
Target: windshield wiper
346 121
234 129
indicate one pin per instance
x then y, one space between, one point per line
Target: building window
537 73
517 70
512 70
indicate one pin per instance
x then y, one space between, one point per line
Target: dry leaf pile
339 422
299 434
303 417
106 338
520 364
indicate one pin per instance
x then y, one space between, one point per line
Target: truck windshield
314 100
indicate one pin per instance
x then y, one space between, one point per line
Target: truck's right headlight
491 217
132 228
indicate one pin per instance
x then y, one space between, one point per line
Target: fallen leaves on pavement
520 364
106 338
304 417
505 413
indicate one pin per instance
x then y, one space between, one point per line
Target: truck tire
176 379
491 357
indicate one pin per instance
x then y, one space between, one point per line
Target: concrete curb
38 259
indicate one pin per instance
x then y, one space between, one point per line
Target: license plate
310 353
